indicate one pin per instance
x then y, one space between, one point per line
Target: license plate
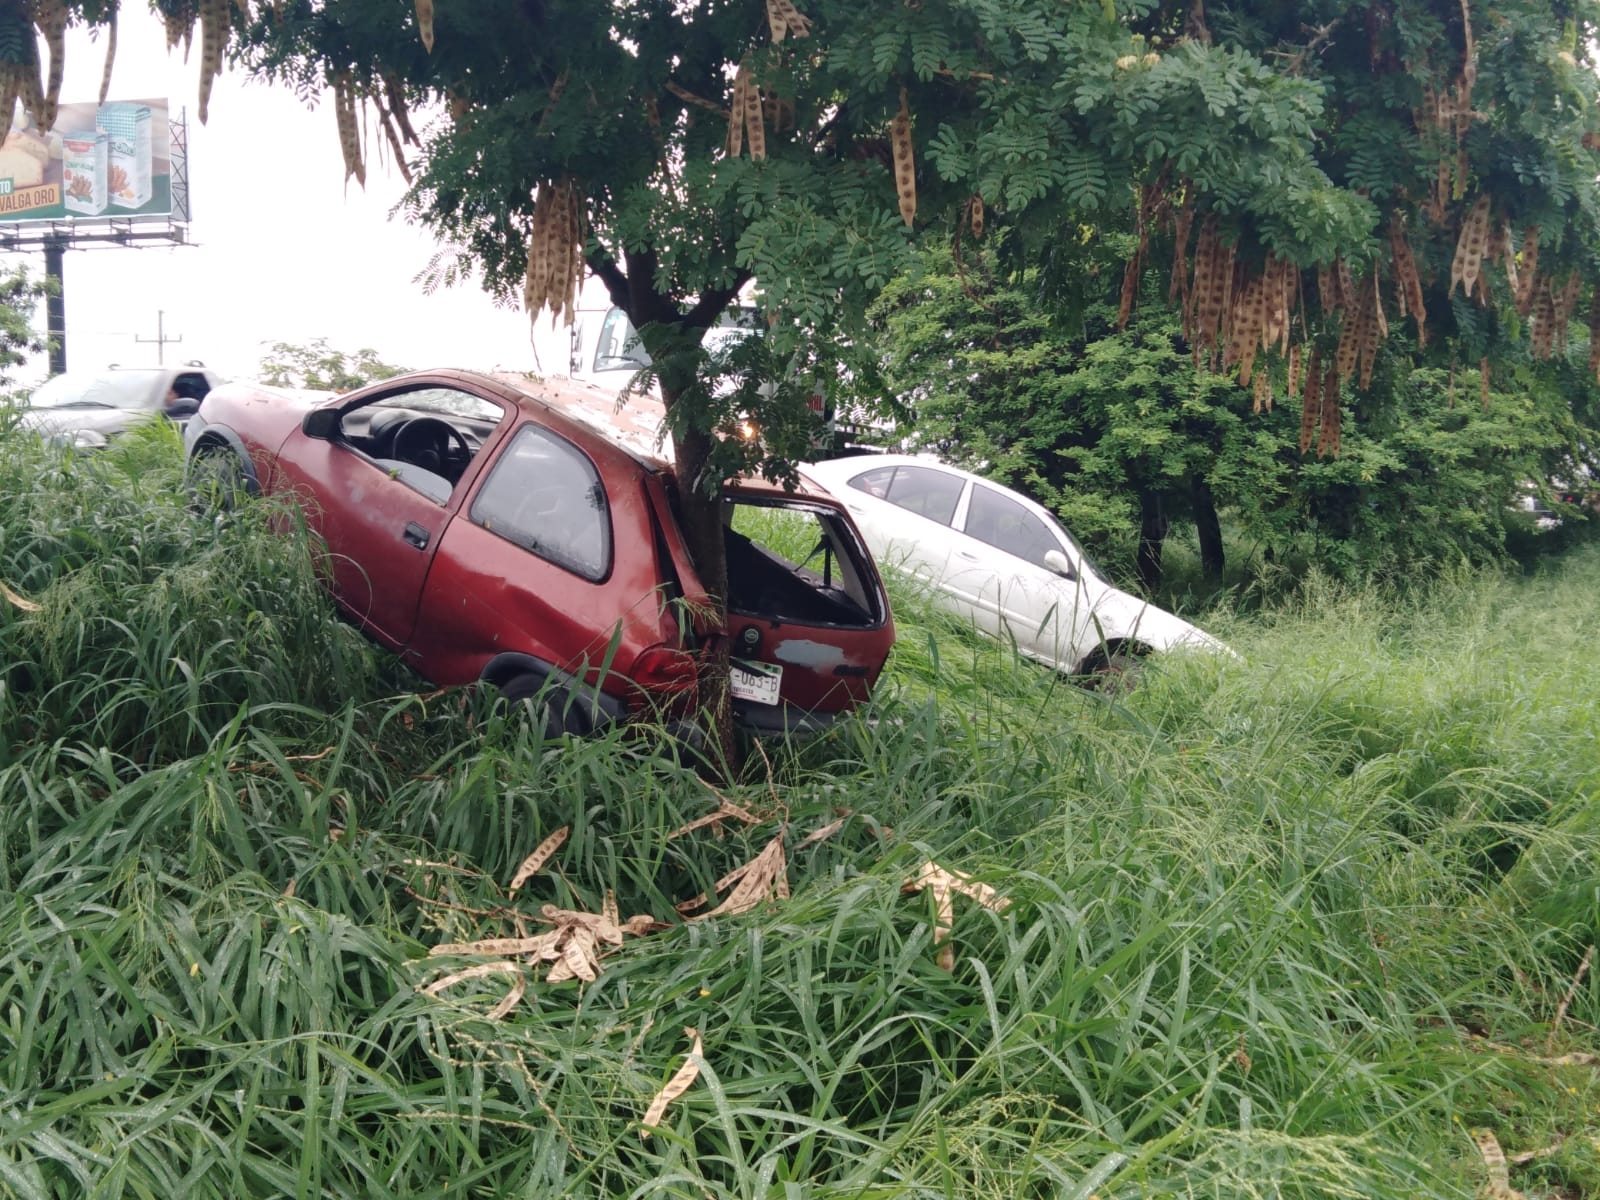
757 682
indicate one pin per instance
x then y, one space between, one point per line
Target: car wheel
552 707
216 480
1115 674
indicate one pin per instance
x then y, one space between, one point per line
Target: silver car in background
87 408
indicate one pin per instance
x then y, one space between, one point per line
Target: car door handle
415 535
967 554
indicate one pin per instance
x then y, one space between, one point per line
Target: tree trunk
1152 533
701 514
1209 530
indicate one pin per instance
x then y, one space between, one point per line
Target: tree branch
711 303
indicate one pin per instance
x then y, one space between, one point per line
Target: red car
516 532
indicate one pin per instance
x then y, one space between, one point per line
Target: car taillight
666 669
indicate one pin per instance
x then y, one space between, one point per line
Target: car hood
56 422
1123 616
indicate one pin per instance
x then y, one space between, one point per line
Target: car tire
552 707
216 480
1115 674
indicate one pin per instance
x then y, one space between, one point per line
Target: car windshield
112 389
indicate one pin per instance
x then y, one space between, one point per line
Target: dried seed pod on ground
905 173
676 1086
425 23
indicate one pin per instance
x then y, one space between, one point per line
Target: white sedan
1002 561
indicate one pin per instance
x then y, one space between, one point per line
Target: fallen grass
1289 926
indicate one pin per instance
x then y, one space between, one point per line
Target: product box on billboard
127 129
83 165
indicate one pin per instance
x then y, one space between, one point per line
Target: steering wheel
431 444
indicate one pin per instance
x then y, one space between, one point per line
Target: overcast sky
281 251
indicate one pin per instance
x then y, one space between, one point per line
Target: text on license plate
755 681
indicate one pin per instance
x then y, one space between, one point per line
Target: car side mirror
181 408
321 423
1055 560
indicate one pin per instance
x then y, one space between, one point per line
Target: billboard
97 161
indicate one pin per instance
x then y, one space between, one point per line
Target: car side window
1006 525
923 490
545 495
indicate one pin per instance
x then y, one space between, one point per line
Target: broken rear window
792 560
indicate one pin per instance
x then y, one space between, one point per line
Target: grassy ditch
1290 926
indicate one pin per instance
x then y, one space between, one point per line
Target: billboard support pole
55 305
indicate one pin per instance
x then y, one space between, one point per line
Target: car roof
635 424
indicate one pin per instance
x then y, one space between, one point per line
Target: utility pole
55 305
161 339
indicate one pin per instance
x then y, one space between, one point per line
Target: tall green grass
1282 926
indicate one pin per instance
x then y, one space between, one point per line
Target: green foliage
1281 926
19 298
319 367
1091 421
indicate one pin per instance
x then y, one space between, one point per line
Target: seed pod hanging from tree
784 20
1470 246
1178 288
754 124
1311 405
344 113
1329 435
214 18
905 167
51 18
1528 271
1594 335
1408 284
1196 317
425 23
555 251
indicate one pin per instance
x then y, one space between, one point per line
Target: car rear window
922 490
797 561
545 495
